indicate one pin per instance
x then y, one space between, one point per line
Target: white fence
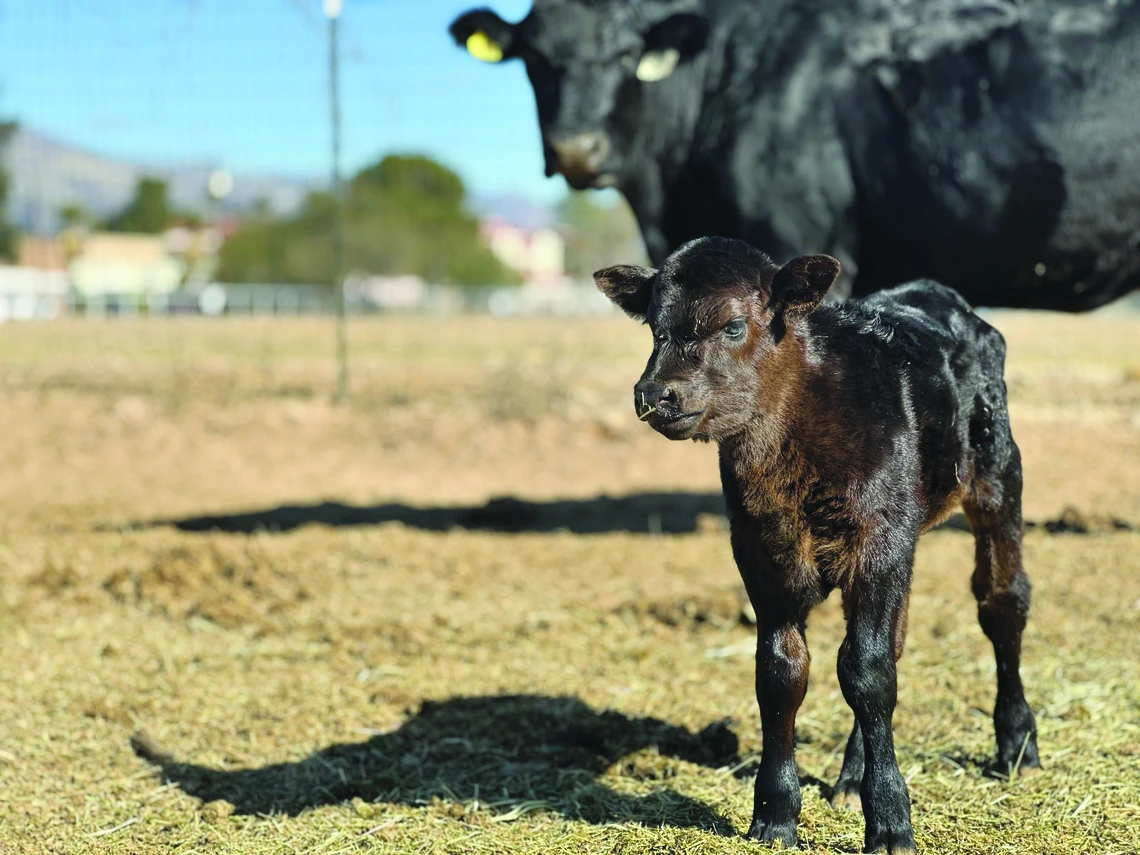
30 294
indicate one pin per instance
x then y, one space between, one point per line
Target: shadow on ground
672 513
511 752
640 513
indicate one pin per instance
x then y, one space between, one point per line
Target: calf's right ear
799 286
486 36
629 286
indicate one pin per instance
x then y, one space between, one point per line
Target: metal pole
332 10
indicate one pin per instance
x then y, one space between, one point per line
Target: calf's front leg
867 675
781 681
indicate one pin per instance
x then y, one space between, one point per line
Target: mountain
47 175
517 210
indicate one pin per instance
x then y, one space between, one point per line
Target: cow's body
989 145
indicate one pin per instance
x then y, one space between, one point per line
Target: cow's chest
806 541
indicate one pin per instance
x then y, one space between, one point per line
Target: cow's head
720 312
609 76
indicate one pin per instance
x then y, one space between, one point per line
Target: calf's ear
799 286
629 286
485 35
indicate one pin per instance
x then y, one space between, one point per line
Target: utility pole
332 12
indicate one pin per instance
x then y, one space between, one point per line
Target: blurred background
472 605
176 156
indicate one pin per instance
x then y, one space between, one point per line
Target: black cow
991 145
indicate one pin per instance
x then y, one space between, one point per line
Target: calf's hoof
847 800
780 833
891 842
1021 763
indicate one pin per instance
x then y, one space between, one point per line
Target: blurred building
41 253
538 255
36 286
124 268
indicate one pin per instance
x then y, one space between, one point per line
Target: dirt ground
483 609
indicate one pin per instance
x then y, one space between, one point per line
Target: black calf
844 433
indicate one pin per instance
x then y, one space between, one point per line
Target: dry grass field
482 609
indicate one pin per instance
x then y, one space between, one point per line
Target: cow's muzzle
580 159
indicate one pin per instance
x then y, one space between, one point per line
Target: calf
845 432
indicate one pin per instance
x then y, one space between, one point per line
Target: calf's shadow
638 513
648 512
509 752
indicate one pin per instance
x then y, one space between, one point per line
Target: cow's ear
485 35
629 286
670 42
799 286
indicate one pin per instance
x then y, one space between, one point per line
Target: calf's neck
844 432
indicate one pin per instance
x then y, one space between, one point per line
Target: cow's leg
781 682
846 794
876 615
1001 588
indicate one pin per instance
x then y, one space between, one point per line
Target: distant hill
47 175
518 210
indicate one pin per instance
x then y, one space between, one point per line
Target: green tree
8 234
598 233
74 216
148 212
404 214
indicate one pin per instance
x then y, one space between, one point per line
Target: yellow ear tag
481 46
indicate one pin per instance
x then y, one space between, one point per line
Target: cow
991 145
843 432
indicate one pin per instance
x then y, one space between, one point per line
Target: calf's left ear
800 285
629 286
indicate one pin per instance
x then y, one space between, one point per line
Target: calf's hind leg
993 508
876 610
846 793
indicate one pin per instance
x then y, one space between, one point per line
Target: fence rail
222 299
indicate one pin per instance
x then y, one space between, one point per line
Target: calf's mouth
675 425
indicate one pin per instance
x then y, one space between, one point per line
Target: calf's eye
734 329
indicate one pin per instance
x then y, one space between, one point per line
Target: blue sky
243 84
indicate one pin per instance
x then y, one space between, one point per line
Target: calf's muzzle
651 397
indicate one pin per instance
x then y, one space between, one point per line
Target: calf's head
614 80
720 312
